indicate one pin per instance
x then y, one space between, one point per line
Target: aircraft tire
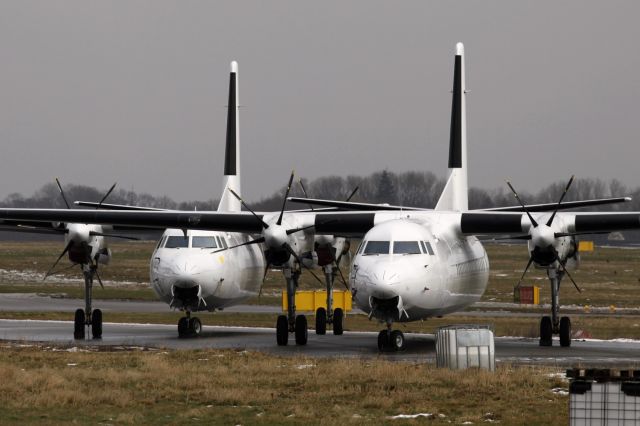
546 331
195 326
96 324
383 340
338 317
321 321
565 332
301 330
183 327
78 324
282 330
397 340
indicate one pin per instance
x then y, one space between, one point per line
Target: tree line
412 189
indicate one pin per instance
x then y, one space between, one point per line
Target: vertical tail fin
455 195
229 203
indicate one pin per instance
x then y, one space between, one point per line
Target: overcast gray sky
135 91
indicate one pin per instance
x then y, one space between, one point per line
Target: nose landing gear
189 326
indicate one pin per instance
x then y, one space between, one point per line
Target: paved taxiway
419 347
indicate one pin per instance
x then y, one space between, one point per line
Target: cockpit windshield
377 247
204 242
406 247
176 241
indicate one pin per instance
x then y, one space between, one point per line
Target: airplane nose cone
189 271
381 281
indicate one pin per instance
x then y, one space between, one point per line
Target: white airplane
190 272
413 263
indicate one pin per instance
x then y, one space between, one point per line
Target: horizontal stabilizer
350 205
105 206
564 206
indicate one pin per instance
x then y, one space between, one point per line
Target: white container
608 403
459 347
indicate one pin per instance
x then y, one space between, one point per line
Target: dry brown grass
238 387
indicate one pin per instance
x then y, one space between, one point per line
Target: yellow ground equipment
311 300
585 245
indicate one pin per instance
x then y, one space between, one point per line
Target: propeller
542 238
82 239
274 235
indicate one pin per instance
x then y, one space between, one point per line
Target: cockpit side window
429 248
360 247
203 242
176 241
224 242
160 242
377 247
406 247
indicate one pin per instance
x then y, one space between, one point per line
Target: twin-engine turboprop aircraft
412 264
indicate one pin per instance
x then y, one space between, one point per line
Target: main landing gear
291 323
390 340
555 324
189 326
88 317
329 315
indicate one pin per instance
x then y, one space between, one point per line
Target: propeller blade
62 193
294 230
249 208
106 195
550 221
352 193
304 191
66 249
573 234
513 237
102 234
264 277
295 256
98 277
284 201
256 241
525 272
569 275
340 273
533 222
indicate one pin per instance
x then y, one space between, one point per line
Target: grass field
49 385
42 386
607 276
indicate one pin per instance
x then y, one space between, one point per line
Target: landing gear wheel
301 330
397 340
195 326
78 324
321 321
546 331
96 324
383 340
565 332
338 316
183 327
282 330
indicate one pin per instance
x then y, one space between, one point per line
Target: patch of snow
560 391
411 416
304 366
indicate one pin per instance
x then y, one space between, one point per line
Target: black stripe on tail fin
230 150
455 141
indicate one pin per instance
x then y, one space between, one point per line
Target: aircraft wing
350 205
483 223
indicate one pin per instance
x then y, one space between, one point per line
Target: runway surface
419 347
